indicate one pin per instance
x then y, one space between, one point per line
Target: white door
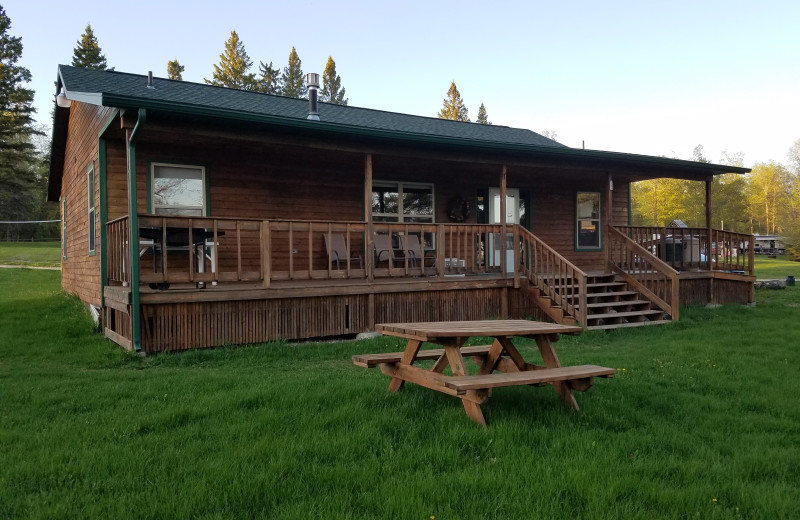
512 217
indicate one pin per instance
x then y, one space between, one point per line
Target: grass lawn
39 254
702 421
776 268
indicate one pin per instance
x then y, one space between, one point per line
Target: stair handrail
554 275
644 271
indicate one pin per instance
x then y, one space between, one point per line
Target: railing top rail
555 253
654 260
683 230
118 219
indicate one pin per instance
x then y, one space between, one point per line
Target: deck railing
645 272
555 276
690 248
176 249
117 235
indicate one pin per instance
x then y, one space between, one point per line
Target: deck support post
133 238
370 256
503 225
607 216
708 223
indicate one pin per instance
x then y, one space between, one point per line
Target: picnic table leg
550 358
408 357
458 367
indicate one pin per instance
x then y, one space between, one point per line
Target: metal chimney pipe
150 79
312 81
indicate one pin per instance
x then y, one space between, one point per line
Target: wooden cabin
196 216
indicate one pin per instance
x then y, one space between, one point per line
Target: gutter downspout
133 238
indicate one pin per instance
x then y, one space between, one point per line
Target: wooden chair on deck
337 251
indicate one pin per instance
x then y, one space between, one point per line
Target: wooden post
608 216
368 253
266 253
708 223
502 223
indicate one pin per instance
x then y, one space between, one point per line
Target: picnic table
499 364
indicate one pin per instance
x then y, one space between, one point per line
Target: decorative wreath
458 209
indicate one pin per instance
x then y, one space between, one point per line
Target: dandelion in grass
714 500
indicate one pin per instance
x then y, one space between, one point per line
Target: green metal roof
130 91
119 89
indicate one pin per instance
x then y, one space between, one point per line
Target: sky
653 77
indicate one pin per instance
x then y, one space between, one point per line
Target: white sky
649 77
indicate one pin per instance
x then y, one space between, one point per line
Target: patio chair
384 252
413 248
337 251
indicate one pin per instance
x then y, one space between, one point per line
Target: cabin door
512 217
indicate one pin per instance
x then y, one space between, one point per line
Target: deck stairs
610 303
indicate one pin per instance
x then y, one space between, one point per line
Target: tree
453 107
175 70
294 84
233 65
483 118
550 134
87 53
332 91
269 82
21 190
768 194
728 197
794 156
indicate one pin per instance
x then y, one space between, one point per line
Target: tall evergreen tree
294 84
453 105
483 118
175 70
87 53
332 91
233 65
269 81
19 196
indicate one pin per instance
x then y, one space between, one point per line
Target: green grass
38 254
702 409
776 268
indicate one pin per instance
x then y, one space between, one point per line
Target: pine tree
332 91
294 84
175 70
233 66
483 118
269 82
19 164
87 53
453 105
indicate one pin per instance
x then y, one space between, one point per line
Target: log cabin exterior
196 216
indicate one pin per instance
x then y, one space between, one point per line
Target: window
402 202
64 228
91 209
178 189
587 225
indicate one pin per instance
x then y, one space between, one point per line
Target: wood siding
80 271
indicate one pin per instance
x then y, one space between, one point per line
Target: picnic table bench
499 364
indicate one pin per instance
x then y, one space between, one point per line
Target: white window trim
599 220
91 210
153 167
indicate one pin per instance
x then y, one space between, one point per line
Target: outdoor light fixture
61 99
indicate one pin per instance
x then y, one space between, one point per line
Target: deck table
500 364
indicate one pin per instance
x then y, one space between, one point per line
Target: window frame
64 228
598 220
91 210
400 215
153 208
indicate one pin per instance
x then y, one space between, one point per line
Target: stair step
599 295
622 303
604 284
624 314
625 325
